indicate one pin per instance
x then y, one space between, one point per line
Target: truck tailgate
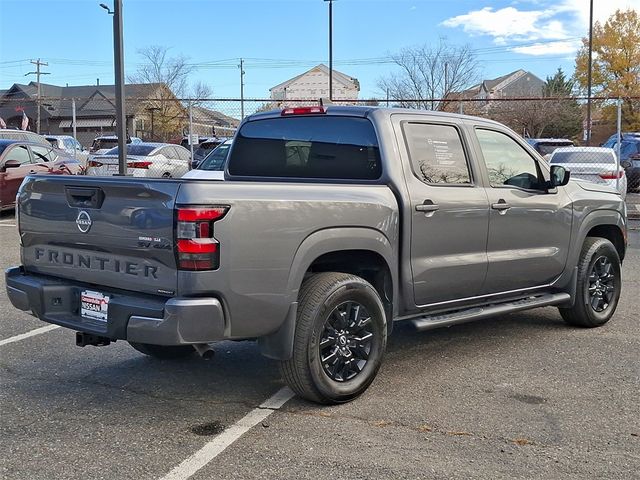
112 231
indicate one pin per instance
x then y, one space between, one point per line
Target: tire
164 352
340 338
588 312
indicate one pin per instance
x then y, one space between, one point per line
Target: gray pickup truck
332 223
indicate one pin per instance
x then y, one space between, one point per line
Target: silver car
595 164
69 145
146 159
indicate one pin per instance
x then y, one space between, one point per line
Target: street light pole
118 60
589 72
330 48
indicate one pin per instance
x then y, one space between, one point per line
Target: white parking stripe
32 333
7 224
218 445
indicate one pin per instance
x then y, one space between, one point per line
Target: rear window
318 147
548 148
582 157
99 144
133 149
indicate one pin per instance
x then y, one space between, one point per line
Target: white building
314 84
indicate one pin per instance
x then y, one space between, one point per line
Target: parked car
22 135
612 141
70 145
335 223
595 164
19 159
146 159
204 149
104 143
629 159
546 146
212 167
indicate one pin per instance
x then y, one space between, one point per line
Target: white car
144 159
212 167
594 164
69 145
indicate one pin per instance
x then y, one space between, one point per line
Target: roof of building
213 117
493 83
346 80
91 100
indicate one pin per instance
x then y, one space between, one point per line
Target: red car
19 159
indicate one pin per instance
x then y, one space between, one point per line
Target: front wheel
599 285
340 338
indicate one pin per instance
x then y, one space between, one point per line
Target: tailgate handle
84 197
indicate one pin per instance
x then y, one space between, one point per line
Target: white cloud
549 48
509 24
555 24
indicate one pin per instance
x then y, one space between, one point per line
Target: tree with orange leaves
616 63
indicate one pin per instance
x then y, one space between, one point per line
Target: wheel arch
361 251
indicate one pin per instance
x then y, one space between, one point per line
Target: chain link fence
555 127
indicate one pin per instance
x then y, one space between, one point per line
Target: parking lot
517 396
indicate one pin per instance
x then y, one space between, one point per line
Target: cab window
508 163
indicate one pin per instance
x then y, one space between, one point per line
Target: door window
436 153
507 162
42 154
20 154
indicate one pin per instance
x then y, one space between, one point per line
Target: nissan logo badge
84 222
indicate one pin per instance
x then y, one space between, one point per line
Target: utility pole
118 60
589 72
330 48
37 73
241 66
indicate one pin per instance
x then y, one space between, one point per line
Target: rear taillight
196 247
611 175
138 164
94 164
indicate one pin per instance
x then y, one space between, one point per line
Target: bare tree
428 73
167 107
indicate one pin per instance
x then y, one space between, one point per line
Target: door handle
427 206
501 206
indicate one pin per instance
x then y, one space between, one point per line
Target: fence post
191 132
618 146
73 120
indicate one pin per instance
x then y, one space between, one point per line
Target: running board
478 313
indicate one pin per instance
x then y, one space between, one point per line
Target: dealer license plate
113 168
94 305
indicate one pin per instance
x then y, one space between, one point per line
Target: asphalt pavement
516 396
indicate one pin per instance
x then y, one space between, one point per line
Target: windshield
216 159
549 148
582 157
328 147
132 149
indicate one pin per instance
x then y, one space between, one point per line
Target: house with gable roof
314 84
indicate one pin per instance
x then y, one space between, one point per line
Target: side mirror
559 176
10 164
625 164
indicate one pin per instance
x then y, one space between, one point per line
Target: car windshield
140 150
216 159
53 142
549 148
582 157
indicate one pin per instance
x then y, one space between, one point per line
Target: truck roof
366 111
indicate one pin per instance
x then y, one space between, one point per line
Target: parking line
32 333
7 224
219 444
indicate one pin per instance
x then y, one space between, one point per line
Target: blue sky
282 38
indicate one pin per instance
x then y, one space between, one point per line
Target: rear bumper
132 317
